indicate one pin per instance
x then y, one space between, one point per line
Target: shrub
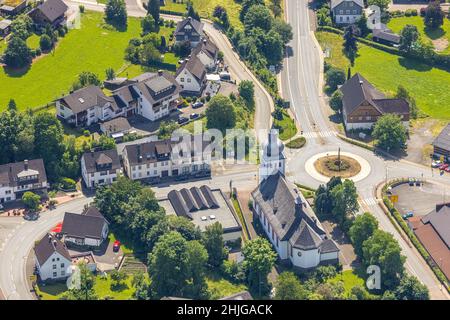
81 8
68 184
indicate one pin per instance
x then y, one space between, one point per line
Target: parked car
197 105
447 169
182 120
411 181
194 115
436 164
443 166
408 215
116 246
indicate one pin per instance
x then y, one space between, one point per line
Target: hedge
170 12
394 212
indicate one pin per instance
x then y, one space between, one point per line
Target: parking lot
419 200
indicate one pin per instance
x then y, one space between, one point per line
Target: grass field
206 7
349 279
429 86
91 48
33 41
220 287
286 126
397 24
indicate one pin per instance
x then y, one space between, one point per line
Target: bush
297 143
45 43
68 184
81 8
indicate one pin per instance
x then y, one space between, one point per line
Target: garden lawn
220 287
91 48
33 41
349 279
443 33
428 85
205 9
286 126
2 46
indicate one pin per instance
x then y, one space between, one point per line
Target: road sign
394 198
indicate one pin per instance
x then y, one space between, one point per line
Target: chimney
25 164
160 72
275 209
204 41
361 82
49 238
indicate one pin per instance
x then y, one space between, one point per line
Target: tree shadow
16 72
434 34
335 118
414 64
119 287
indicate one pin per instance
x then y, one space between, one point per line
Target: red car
447 169
443 167
116 246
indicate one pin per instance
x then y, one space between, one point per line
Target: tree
383 250
402 93
182 48
104 143
220 114
213 242
359 292
409 37
382 4
118 278
362 26
110 74
31 201
272 47
246 4
45 43
153 9
258 16
345 200
148 24
410 288
166 128
259 258
82 285
192 13
86 78
247 92
284 29
185 227
22 26
17 53
48 141
334 77
434 17
141 287
288 287
323 17
336 101
197 259
116 13
362 229
12 105
390 132
350 44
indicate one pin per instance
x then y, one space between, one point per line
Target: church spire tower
273 159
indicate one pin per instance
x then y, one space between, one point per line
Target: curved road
301 83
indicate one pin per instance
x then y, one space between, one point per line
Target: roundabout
325 165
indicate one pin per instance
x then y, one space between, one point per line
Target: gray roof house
52 259
346 11
385 36
50 12
5 27
87 229
191 76
363 104
441 144
190 30
100 167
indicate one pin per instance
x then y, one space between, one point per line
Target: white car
436 164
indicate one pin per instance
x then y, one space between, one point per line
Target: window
62 265
354 11
57 259
181 79
8 192
189 80
63 273
54 266
55 274
341 12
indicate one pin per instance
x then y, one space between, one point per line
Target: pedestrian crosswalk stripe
370 201
314 134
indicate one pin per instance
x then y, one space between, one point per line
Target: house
116 128
441 145
12 7
286 217
17 178
167 158
207 53
52 259
433 231
88 229
88 106
50 12
190 30
363 104
204 206
5 27
100 168
347 11
191 76
385 36
153 95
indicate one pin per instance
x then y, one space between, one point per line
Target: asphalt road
301 84
13 256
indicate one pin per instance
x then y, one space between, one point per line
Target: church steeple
272 159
